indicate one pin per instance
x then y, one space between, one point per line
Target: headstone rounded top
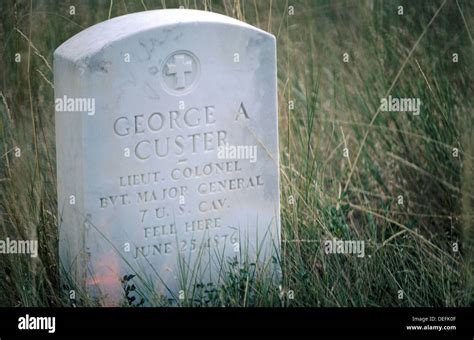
98 36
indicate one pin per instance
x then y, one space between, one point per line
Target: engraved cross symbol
179 70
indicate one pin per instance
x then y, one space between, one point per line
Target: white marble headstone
167 152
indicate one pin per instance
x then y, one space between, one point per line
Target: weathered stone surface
167 152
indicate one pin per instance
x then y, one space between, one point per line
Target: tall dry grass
409 258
